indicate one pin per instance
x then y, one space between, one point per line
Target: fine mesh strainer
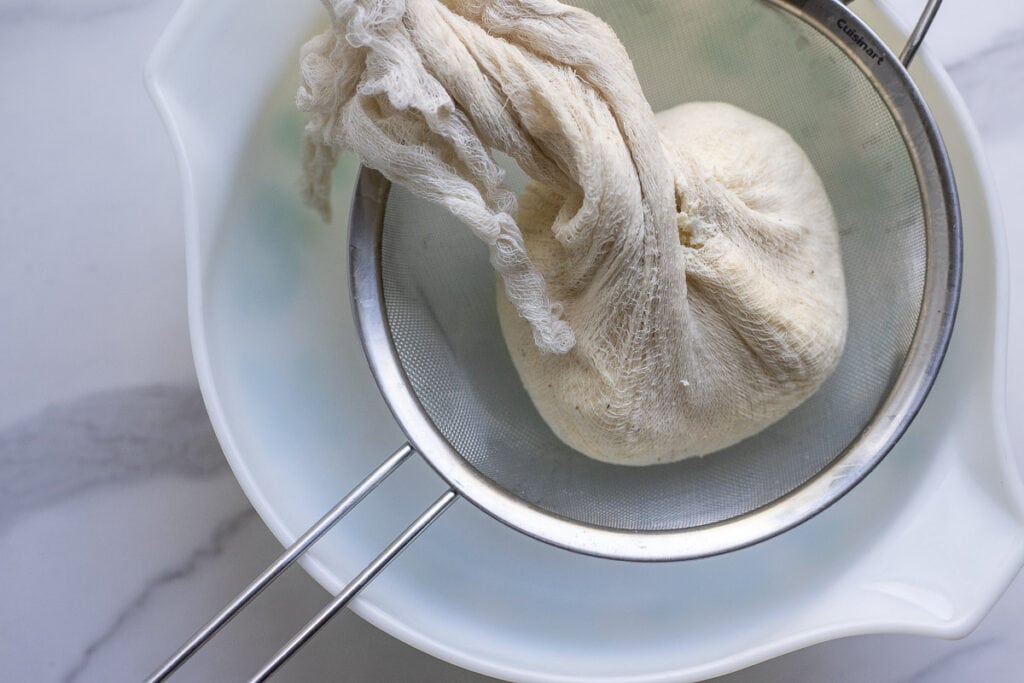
424 301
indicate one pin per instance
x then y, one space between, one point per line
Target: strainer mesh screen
439 290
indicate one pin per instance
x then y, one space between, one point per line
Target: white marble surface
121 527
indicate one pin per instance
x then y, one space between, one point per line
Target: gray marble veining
195 561
111 438
992 82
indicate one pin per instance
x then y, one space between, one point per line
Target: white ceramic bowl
924 545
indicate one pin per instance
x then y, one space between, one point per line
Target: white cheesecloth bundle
672 283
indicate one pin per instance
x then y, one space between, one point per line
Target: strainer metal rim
894 415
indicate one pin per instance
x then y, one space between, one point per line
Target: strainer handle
924 22
299 547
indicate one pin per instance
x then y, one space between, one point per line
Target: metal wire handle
334 515
297 549
924 22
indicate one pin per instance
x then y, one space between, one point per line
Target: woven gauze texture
672 284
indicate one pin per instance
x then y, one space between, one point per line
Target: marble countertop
121 527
